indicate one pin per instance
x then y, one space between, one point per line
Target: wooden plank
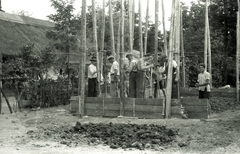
93 100
112 107
198 115
92 112
128 113
148 108
148 101
112 101
195 102
97 106
128 107
196 108
146 115
111 113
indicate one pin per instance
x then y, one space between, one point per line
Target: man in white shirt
203 82
114 73
92 78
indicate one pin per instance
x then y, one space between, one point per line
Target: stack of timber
132 107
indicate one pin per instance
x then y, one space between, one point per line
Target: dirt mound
114 135
126 135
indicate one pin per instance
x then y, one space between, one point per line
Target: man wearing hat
92 78
143 65
132 70
114 73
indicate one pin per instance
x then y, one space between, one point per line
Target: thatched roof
17 31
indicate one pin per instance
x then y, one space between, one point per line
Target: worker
114 73
175 72
92 78
159 78
143 65
132 70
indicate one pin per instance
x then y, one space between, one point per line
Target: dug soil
56 131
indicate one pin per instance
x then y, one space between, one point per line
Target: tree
222 20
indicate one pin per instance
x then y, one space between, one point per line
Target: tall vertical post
83 45
206 35
164 29
209 49
133 19
0 83
182 51
130 25
118 38
102 54
111 28
0 5
121 57
177 49
146 28
156 31
96 43
102 32
238 51
170 59
140 29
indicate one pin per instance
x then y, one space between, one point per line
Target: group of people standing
141 73
138 74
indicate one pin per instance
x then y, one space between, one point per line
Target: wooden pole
122 26
96 44
83 45
121 57
111 28
102 53
140 29
238 51
0 80
182 52
146 28
170 59
177 49
156 40
133 20
164 29
206 35
130 25
118 38
156 31
209 49
102 33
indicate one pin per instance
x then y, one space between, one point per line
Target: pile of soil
114 135
126 135
220 104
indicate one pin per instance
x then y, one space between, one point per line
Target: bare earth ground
219 134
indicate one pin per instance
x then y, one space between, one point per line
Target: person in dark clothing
92 78
132 70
